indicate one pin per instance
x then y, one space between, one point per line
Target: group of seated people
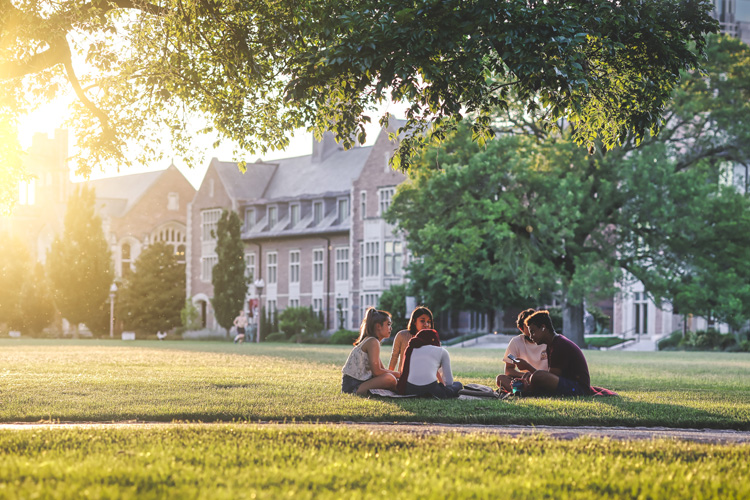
539 361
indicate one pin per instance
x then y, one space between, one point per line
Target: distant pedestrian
240 322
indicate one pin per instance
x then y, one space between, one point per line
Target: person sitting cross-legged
425 358
521 347
568 373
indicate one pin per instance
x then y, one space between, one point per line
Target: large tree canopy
253 70
533 214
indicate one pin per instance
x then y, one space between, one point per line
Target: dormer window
273 217
294 214
249 219
343 209
317 212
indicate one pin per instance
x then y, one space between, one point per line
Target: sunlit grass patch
220 381
266 461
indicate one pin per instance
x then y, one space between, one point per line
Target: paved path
714 436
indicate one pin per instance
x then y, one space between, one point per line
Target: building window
27 192
385 196
478 322
126 260
368 300
641 313
249 219
317 305
363 204
372 256
342 264
343 206
342 312
294 266
180 254
271 310
273 217
294 214
207 267
209 223
210 188
173 201
293 302
317 212
392 258
317 265
271 266
250 267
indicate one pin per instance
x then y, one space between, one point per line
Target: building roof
244 186
116 195
302 177
292 178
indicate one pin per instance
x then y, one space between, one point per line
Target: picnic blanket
385 393
601 391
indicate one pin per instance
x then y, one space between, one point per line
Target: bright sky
51 116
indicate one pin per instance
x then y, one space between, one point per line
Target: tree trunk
573 322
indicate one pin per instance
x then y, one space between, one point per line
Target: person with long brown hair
420 319
363 369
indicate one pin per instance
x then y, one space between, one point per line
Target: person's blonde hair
372 317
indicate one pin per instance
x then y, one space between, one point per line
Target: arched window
180 253
126 262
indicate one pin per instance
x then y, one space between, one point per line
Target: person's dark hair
372 317
521 321
541 318
416 313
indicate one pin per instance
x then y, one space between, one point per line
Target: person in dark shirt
568 373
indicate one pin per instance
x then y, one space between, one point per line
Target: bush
345 337
671 342
306 338
296 320
393 300
276 337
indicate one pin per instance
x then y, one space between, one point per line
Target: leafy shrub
276 337
307 338
296 320
671 342
345 337
393 300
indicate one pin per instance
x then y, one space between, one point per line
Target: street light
112 292
259 284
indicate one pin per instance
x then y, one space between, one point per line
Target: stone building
312 226
135 209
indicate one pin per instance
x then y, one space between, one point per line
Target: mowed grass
237 461
219 381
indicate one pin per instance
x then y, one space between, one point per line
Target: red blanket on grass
601 391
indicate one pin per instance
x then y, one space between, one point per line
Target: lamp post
259 284
112 292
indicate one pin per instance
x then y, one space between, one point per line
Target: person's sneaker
506 395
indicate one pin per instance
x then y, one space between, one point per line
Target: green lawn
210 381
236 461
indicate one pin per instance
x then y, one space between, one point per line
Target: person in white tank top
363 369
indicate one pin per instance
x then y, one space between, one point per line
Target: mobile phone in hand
513 358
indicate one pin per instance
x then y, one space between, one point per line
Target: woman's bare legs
384 381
